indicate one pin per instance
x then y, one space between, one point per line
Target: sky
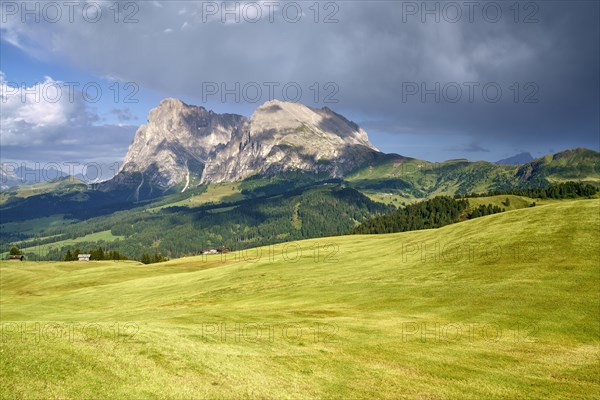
430 80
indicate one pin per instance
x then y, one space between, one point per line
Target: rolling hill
503 306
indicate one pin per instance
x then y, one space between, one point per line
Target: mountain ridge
186 145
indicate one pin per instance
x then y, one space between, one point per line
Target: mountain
173 147
184 145
193 178
284 136
418 179
578 164
521 158
8 178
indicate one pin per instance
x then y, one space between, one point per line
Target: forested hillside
176 231
444 210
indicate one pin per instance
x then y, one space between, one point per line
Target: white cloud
42 105
43 122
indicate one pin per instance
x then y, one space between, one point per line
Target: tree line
433 213
444 210
564 190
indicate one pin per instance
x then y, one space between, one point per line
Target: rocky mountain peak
184 144
324 123
176 142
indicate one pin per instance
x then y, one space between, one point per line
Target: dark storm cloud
387 66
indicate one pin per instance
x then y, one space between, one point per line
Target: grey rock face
282 136
186 145
177 141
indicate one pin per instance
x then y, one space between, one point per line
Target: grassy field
500 307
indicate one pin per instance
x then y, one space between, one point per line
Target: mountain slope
514 314
420 179
573 164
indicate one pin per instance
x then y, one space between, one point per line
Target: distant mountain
419 179
11 177
8 178
182 146
578 164
57 187
521 158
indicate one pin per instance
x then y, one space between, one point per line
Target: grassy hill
503 306
413 178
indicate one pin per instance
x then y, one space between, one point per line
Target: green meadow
505 306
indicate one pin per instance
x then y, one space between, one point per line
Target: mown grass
502 307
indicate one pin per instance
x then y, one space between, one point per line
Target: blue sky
384 68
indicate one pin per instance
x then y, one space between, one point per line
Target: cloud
474 148
374 53
123 114
43 123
